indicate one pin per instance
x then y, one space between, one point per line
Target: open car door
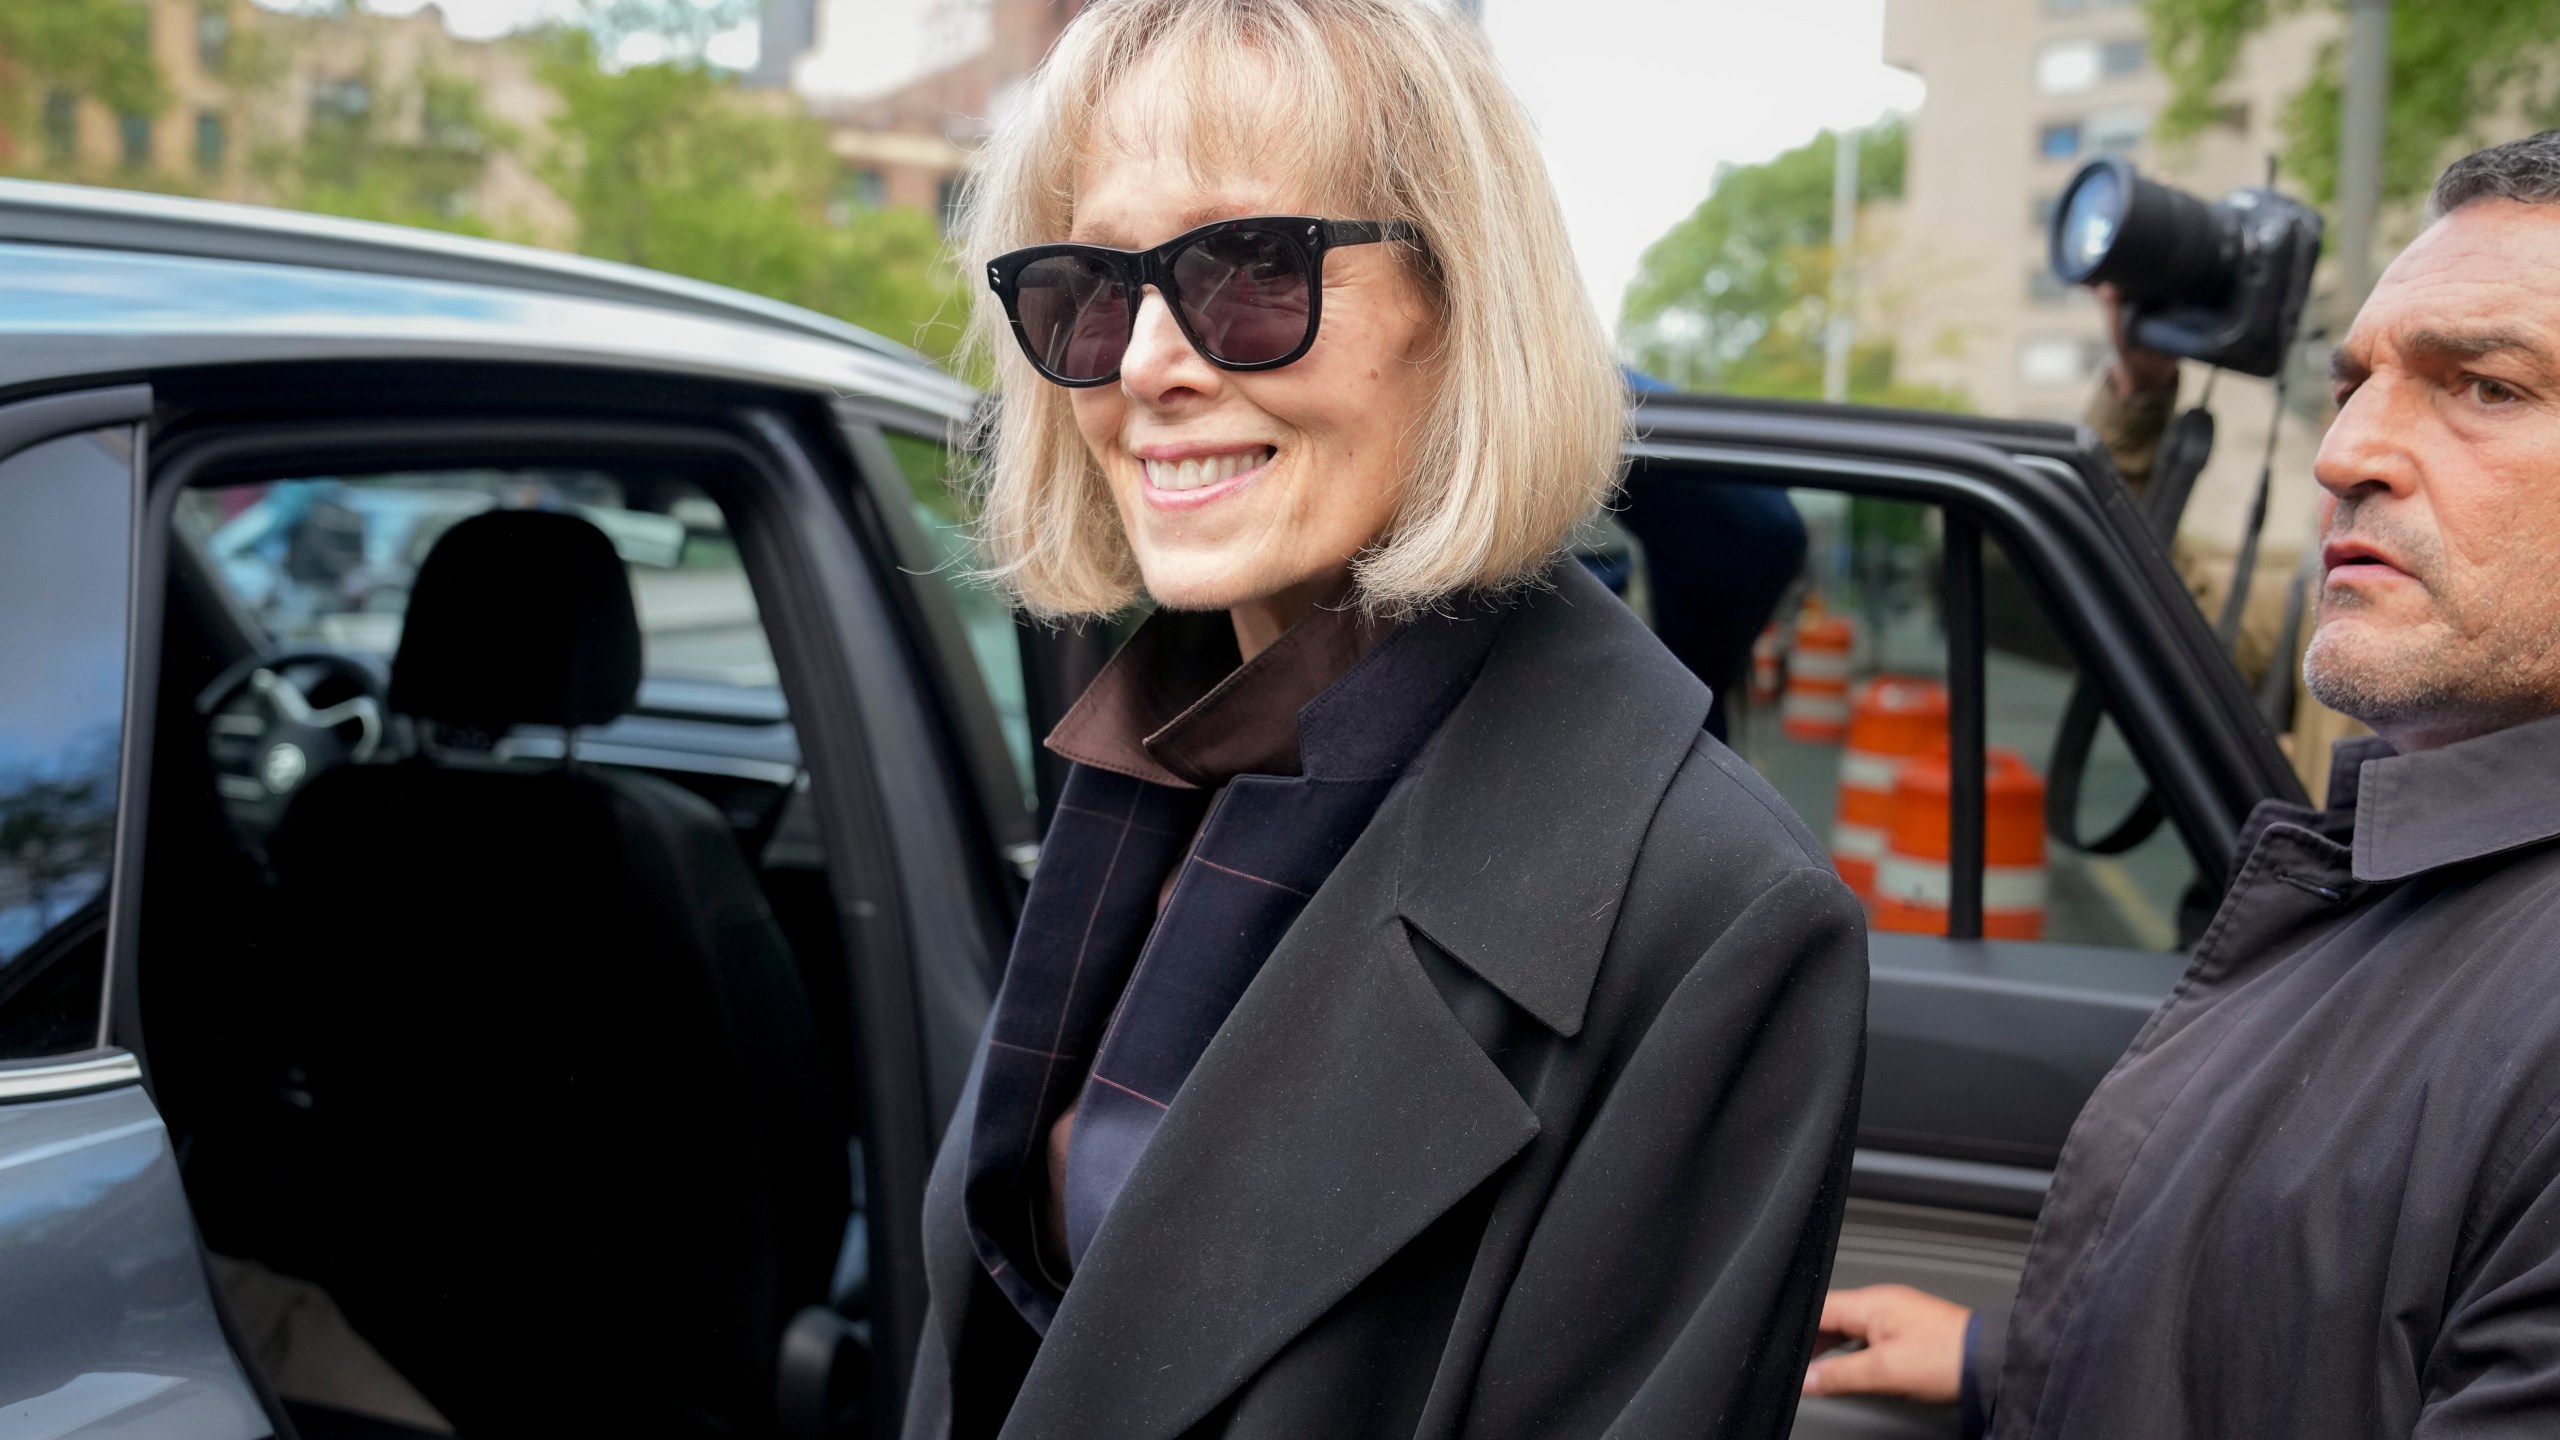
1987 687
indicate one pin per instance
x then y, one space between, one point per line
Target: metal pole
2366 97
1968 764
1844 240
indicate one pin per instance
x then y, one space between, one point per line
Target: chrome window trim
76 1075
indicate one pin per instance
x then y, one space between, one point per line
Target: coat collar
1342 1109
2453 804
1175 708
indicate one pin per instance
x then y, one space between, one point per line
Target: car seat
573 1157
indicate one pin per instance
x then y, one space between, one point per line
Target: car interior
492 986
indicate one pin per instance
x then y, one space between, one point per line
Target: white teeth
1203 470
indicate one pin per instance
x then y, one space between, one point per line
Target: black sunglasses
1247 293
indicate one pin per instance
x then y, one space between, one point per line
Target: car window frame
892 843
880 503
2192 726
40 420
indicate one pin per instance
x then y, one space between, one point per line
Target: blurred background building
910 143
2021 93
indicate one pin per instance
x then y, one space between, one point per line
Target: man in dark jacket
2320 1196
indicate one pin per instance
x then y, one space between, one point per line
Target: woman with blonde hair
1418 1025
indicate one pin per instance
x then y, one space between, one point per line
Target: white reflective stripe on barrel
1925 882
1820 665
1865 770
1857 842
1800 706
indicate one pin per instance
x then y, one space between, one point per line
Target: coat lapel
1340 1111
1541 787
1342 1107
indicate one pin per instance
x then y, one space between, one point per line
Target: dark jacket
1536 1122
2319 1198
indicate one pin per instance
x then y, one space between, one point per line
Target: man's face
2440 597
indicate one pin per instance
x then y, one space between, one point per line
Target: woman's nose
1160 364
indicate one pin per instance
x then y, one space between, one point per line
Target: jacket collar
1175 708
2461 802
1342 1109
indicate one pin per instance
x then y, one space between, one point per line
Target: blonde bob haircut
1377 110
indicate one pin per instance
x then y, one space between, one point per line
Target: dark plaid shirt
1118 981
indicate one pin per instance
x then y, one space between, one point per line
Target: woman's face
1251 492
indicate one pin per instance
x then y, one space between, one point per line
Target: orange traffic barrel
1766 654
1913 886
1891 719
1816 706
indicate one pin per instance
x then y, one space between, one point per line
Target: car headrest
519 617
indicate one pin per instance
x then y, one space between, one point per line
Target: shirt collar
1175 708
2460 802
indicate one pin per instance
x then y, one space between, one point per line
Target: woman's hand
1914 1345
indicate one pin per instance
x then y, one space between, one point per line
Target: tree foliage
90 47
2454 69
672 166
1736 297
403 155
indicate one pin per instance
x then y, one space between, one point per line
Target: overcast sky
1637 101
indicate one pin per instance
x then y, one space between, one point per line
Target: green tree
99 48
372 152
95 48
674 166
2454 68
1736 297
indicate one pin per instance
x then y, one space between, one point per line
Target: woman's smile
1189 476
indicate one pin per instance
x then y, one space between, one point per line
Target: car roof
109 277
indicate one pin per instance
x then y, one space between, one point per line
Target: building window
2118 131
2059 141
133 132
213 35
2067 67
946 201
340 100
2044 287
2040 212
2119 58
212 143
61 127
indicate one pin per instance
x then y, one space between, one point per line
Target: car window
66 510
327 561
1834 679
993 642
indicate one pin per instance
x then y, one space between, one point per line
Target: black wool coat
1536 1123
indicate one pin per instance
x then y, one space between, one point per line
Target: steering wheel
266 738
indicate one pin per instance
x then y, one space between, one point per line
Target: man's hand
1914 1345
2137 368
